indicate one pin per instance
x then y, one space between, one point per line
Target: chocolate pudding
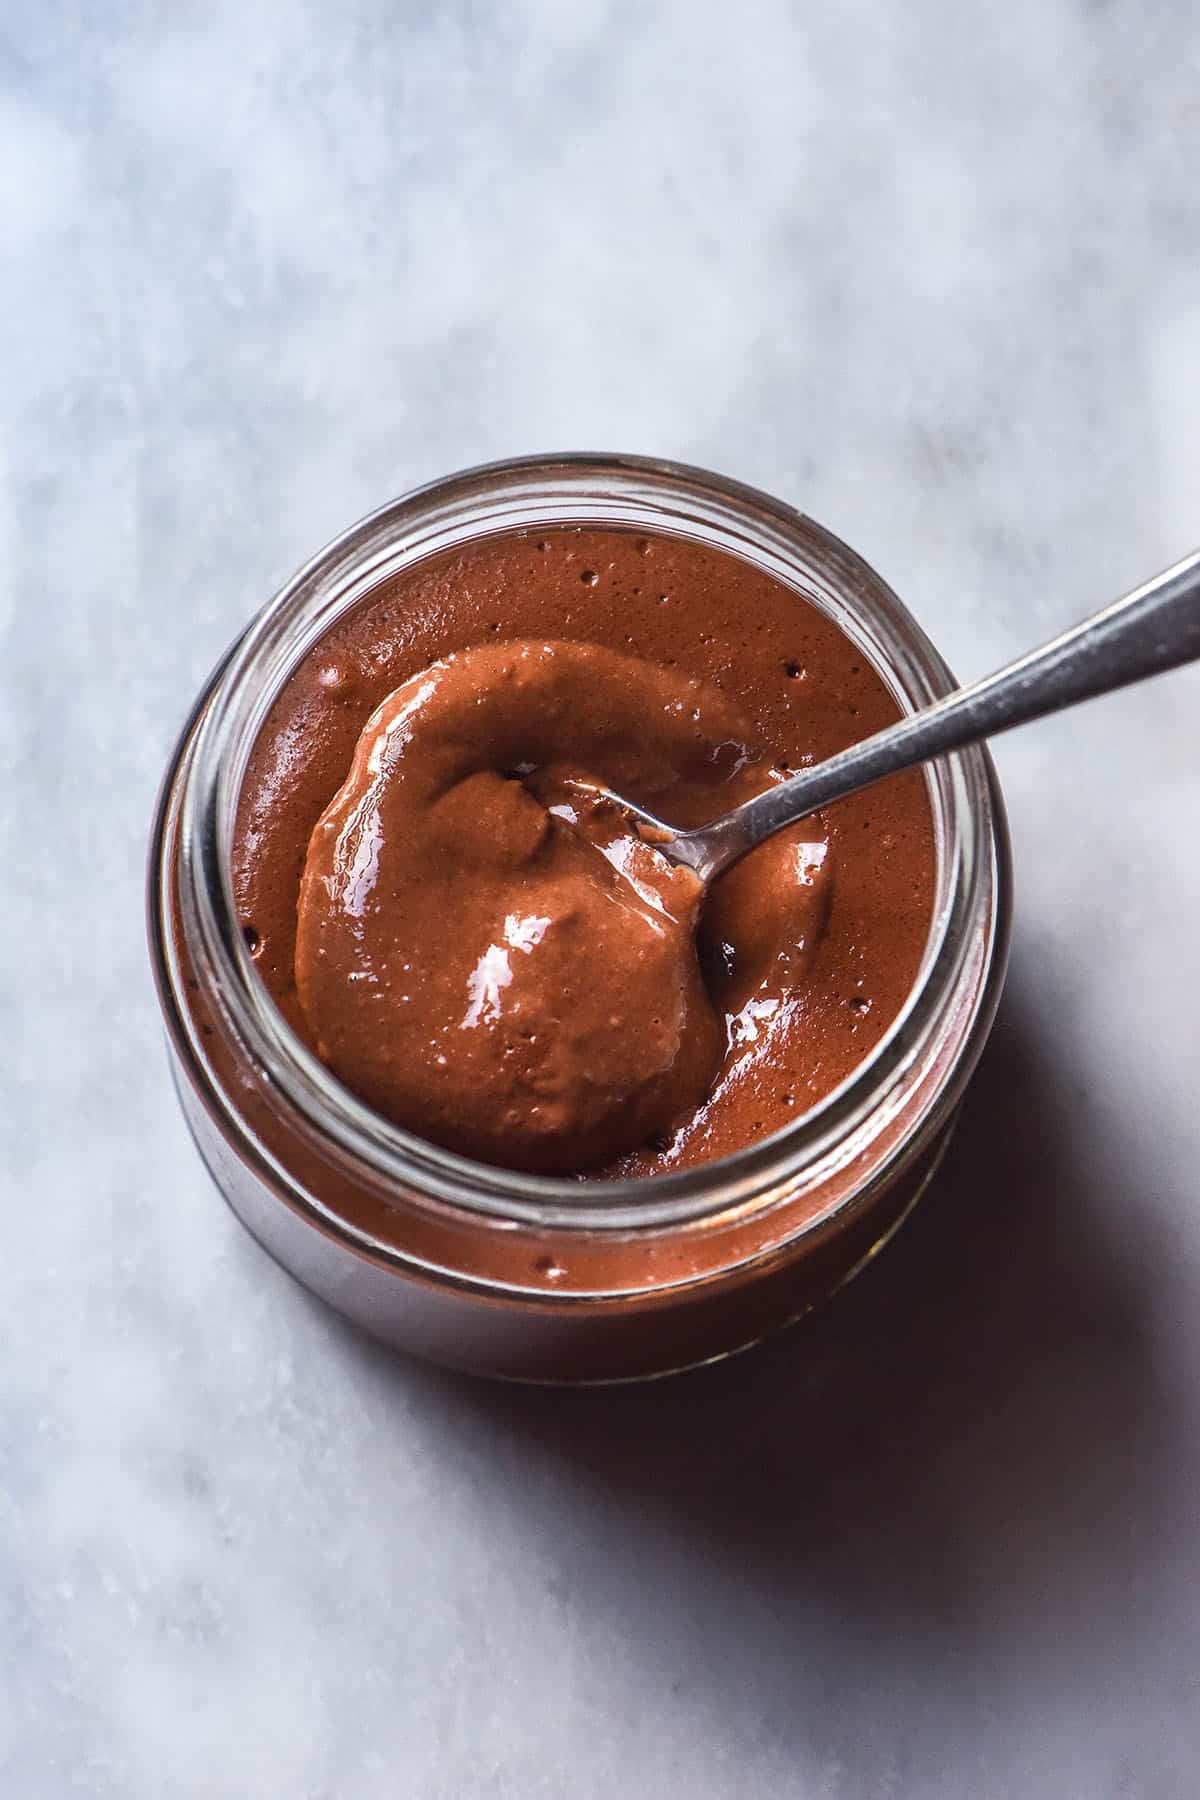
493 960
384 791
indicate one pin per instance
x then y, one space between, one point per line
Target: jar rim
525 493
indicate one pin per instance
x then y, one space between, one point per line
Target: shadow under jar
531 1277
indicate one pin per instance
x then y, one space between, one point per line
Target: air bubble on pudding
793 671
786 1100
543 546
588 577
660 1143
858 1003
546 1265
663 599
643 546
252 940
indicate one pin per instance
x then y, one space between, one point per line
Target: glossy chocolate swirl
499 964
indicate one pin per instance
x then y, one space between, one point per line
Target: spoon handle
1155 628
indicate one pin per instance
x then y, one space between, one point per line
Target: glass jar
529 1277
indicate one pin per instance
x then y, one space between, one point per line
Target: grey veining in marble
929 271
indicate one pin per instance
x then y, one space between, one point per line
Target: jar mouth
524 494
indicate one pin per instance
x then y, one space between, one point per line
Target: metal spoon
1154 628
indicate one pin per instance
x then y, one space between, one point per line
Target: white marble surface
929 271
